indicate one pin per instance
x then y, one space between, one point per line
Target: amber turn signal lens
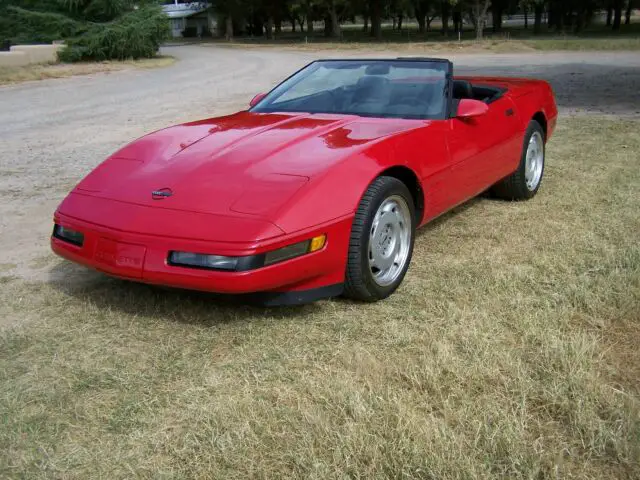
317 243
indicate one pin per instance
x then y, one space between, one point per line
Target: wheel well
410 179
542 120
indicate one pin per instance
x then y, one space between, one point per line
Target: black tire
514 187
359 279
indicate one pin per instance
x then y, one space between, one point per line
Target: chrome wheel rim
389 240
534 161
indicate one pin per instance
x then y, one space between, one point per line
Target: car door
483 148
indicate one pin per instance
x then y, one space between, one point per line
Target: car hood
242 164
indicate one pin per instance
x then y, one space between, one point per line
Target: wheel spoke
389 240
534 160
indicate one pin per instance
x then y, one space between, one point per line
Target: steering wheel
335 98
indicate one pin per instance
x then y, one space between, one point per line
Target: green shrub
26 26
137 34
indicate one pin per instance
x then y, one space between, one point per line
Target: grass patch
489 45
10 75
574 43
506 354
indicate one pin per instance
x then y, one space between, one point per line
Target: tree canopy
101 29
259 17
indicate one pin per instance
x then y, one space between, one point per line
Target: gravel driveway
53 132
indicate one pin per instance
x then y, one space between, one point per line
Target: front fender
337 192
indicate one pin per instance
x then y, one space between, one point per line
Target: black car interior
375 94
464 89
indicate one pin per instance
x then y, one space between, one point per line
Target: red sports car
317 189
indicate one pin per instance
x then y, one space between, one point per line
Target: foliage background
92 29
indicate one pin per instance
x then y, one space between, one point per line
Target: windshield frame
448 89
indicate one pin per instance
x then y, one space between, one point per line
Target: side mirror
254 101
469 108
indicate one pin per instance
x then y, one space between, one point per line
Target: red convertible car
317 189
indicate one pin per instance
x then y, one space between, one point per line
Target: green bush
25 26
137 34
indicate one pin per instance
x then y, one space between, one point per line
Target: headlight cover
201 260
250 262
67 235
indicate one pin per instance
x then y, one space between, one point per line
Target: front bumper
144 258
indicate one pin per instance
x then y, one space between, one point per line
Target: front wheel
381 242
524 183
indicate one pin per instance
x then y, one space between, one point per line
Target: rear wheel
524 182
381 241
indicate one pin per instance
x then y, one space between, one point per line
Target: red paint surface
251 182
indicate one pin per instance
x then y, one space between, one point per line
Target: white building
198 17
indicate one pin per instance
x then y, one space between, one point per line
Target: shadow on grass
445 217
139 299
142 300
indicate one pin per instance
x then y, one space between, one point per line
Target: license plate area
120 258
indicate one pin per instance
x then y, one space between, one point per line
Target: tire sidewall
395 187
533 127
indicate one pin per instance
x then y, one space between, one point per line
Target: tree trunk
559 16
278 25
228 28
617 14
580 16
376 19
269 28
481 17
538 18
335 22
627 14
588 17
309 25
421 9
609 13
457 21
496 12
445 18
400 18
365 27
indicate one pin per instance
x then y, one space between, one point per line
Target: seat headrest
462 89
372 81
371 86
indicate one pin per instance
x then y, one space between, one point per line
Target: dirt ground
53 132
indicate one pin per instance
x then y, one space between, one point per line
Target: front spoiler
143 258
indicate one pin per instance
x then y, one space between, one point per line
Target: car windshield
375 88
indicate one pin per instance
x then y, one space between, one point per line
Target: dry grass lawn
497 45
10 75
511 351
417 44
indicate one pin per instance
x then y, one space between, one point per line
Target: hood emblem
161 193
